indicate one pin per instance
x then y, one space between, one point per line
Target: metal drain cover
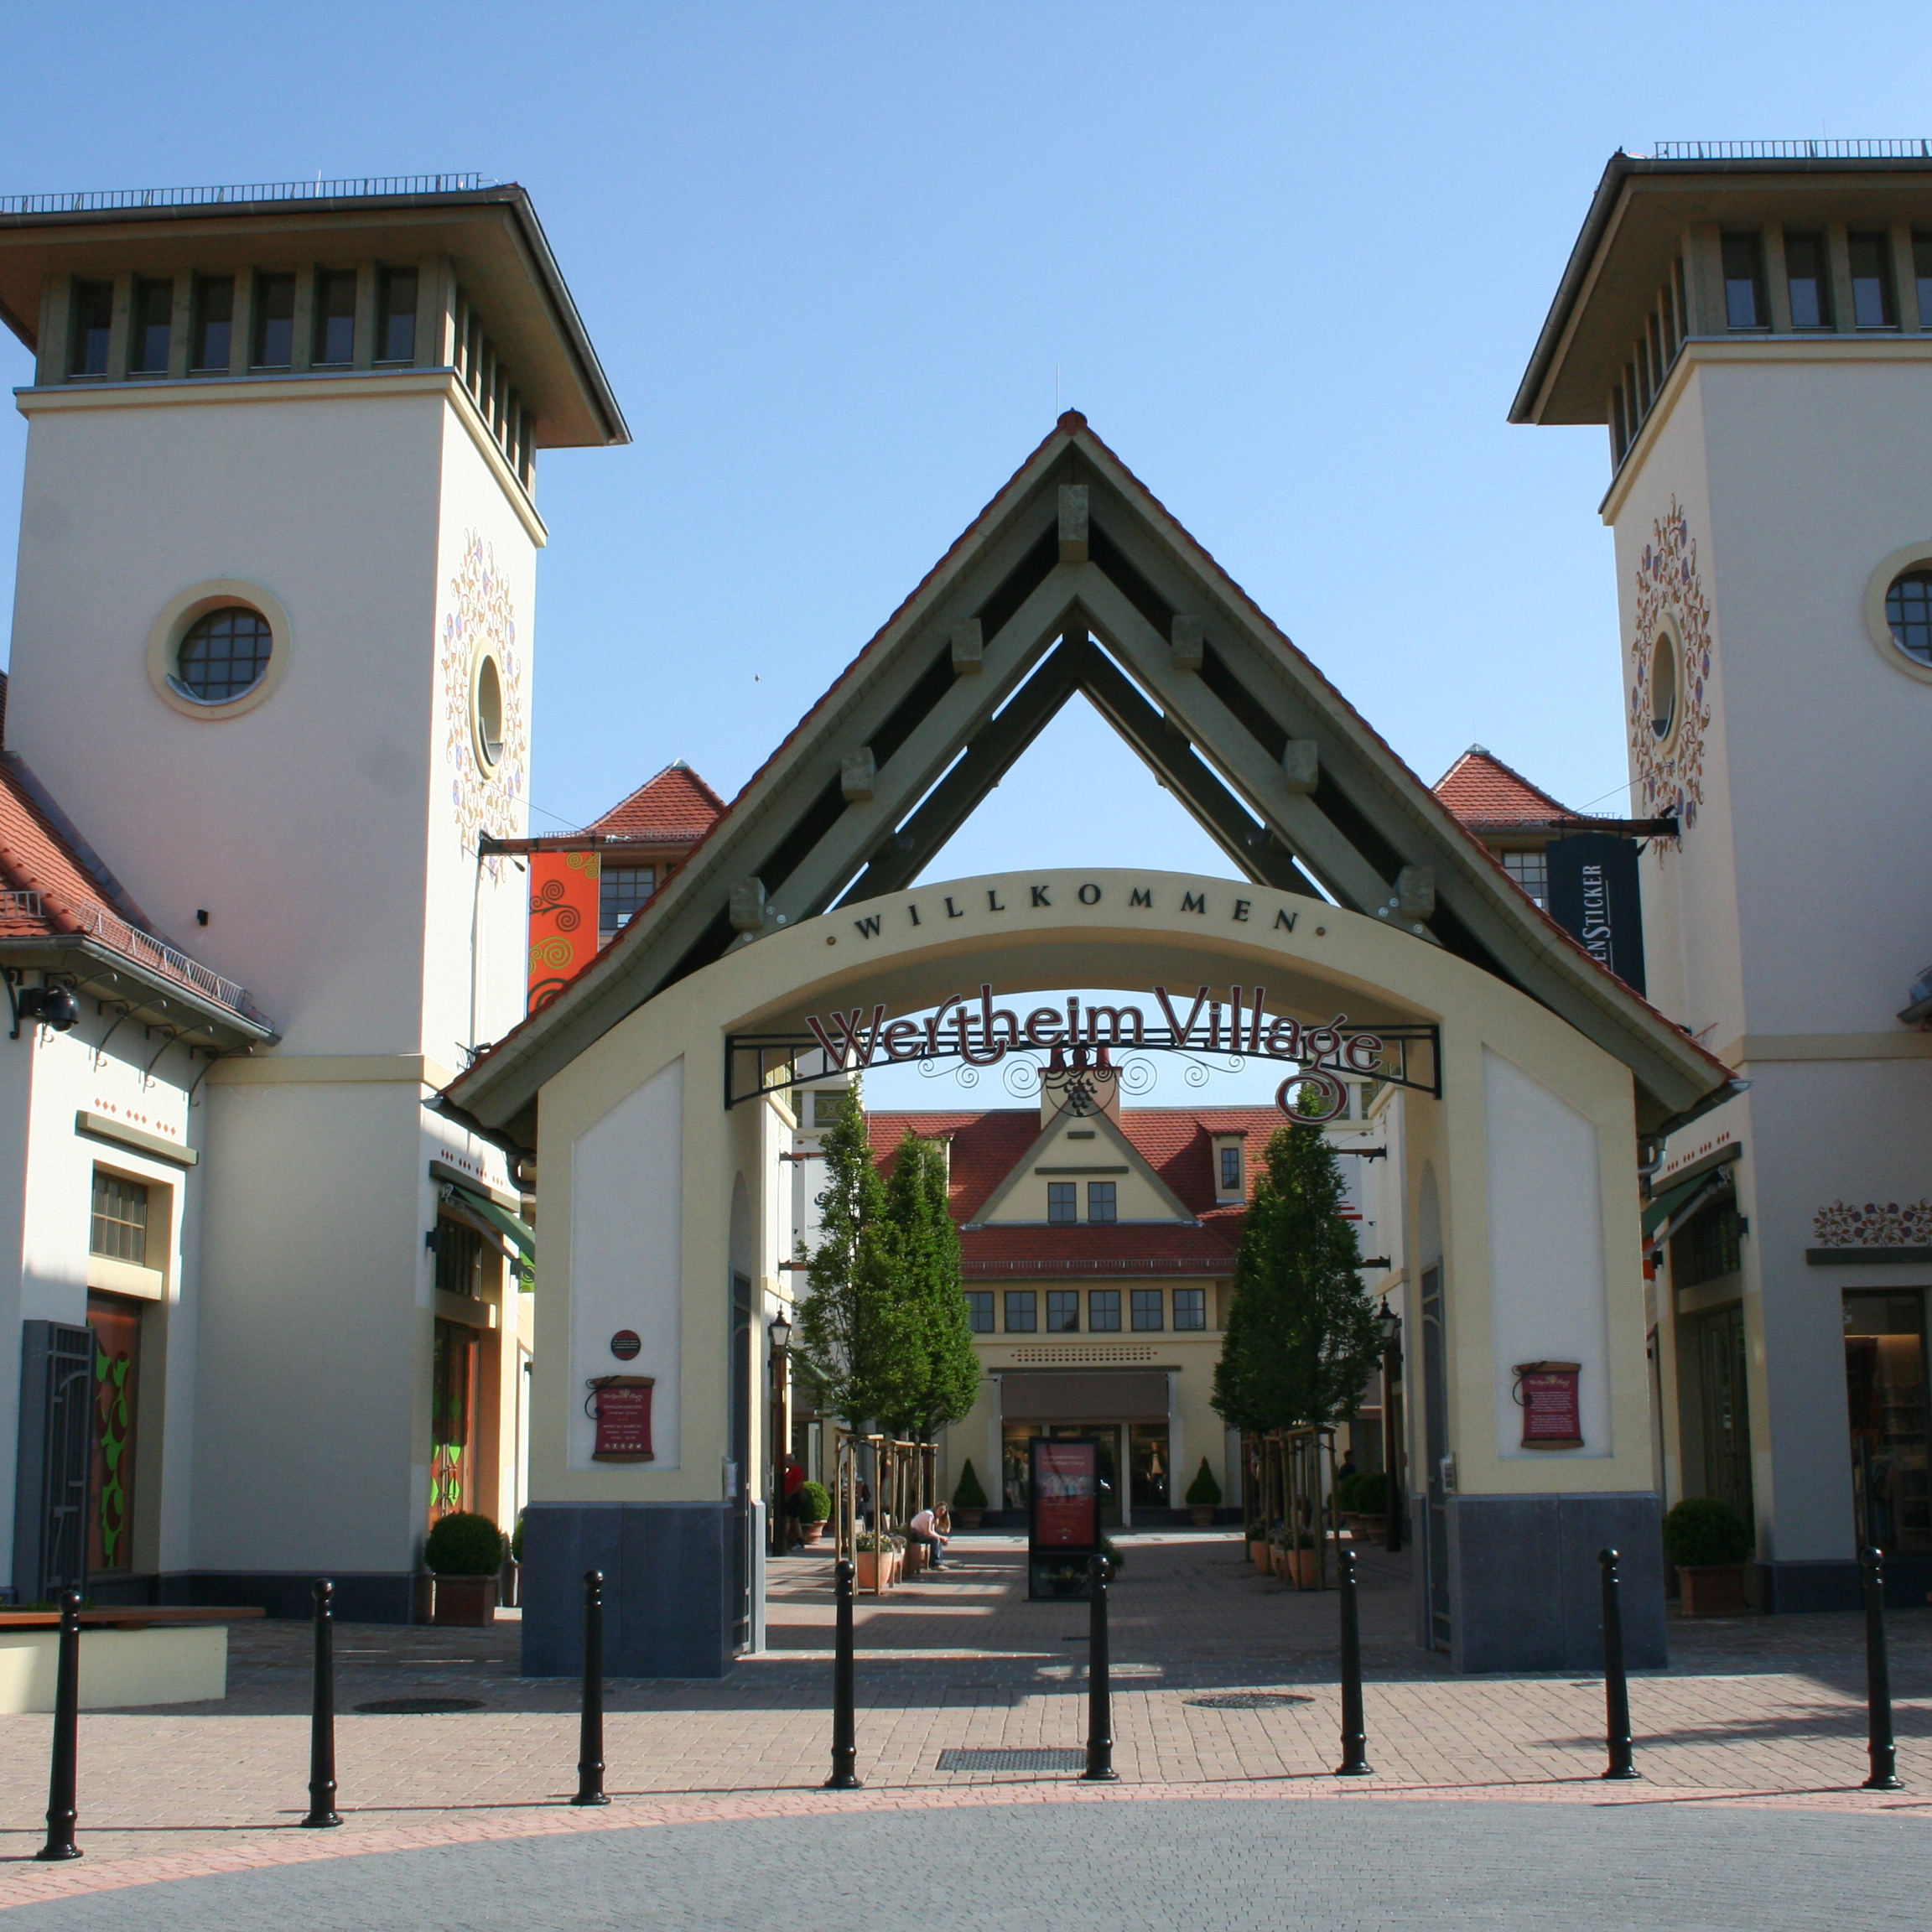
1048 1759
1246 1699
420 1706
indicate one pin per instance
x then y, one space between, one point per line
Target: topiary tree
814 1502
937 1376
1302 1336
1701 1531
463 1544
1203 1493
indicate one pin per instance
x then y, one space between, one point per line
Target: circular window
489 713
222 655
1663 686
1908 615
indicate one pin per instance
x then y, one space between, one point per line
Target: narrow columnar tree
939 1372
1302 1335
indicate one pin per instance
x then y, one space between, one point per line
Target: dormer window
1230 1168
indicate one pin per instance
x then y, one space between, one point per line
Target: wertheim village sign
971 1029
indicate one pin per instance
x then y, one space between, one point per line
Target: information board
1064 1530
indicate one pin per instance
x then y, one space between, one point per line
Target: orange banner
562 921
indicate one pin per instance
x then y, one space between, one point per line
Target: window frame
1022 1301
607 879
150 292
1885 281
104 1185
1196 1304
1103 1319
200 321
84 294
1103 1195
1062 1195
1149 1301
329 282
1062 1311
978 1303
1750 240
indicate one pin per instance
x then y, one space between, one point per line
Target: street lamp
779 1329
1390 1323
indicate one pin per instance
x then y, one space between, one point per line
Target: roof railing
97 200
1817 147
131 940
20 905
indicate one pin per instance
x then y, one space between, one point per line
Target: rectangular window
93 325
1190 1307
335 317
1103 1311
1743 283
1885 1382
275 322
212 334
1922 274
396 321
154 326
1230 1170
1147 1312
1808 276
1063 1200
622 891
1062 1310
1100 1201
120 1224
1531 871
828 1106
1022 1311
979 1310
1708 1247
458 1258
1872 306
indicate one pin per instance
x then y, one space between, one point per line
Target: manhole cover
1246 1699
420 1706
1037 1760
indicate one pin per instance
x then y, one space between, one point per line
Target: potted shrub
1292 1557
814 1510
1363 1500
464 1552
968 1498
1707 1541
873 1549
1203 1497
1259 1543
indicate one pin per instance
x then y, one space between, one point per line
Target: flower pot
510 1587
811 1532
1300 1568
1712 1589
1203 1514
868 1572
1259 1551
967 1518
1277 1560
469 1602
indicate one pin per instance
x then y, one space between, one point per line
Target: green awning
1672 1200
505 1223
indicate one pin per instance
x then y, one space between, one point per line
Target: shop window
1100 1201
119 1227
458 1258
396 317
1103 1311
1022 1311
1709 1246
979 1310
1063 1200
1147 1309
93 319
1190 1307
1885 1387
211 331
116 1326
622 892
154 326
1147 1464
1062 1310
1808 277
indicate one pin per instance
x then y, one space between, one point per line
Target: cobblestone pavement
1753 1714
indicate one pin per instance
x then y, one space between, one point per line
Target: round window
222 655
1663 686
489 713
1908 615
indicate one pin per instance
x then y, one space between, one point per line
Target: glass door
116 1326
451 1419
1436 1435
1885 1389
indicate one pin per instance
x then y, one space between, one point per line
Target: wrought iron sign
1319 1059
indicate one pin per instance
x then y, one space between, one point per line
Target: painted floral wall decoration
480 613
1669 773
1874 1225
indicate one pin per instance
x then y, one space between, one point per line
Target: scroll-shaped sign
1546 1393
621 1407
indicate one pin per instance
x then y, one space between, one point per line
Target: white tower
1754 325
273 641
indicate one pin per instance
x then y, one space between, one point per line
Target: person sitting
924 1530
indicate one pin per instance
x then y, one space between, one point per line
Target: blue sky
840 262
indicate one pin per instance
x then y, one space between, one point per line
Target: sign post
1063 1530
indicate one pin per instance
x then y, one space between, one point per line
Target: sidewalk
1223 1682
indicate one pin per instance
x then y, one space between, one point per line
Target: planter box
1712 1589
468 1602
1203 1514
117 1667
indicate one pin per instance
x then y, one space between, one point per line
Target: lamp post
1391 1324
780 1330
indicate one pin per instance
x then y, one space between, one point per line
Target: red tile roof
677 808
1481 790
1177 1142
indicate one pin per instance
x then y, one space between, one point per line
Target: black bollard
590 1730
1880 1744
1616 1683
1100 1687
1354 1734
844 1715
60 1811
322 1714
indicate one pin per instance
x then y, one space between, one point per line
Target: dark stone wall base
1790 1589
665 1566
366 1596
1526 1589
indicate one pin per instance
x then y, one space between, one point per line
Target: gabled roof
677 808
1481 790
1075 579
1104 1127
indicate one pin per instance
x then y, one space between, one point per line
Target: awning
1667 1203
505 1223
1675 1206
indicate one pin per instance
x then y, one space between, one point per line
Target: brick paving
1752 1713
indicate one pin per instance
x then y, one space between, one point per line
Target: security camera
52 1006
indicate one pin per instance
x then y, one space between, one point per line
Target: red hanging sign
1552 1413
621 1407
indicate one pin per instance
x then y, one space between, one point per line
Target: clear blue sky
1289 259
